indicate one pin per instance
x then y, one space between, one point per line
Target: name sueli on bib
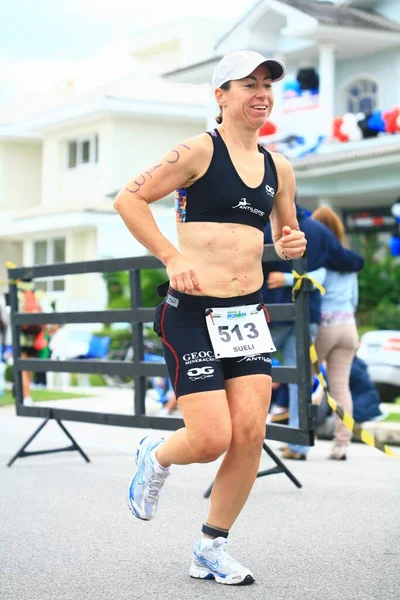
239 331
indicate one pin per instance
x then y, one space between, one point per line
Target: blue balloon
292 85
376 122
394 246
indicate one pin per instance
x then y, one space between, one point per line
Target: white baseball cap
237 65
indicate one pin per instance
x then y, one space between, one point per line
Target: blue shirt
323 250
341 292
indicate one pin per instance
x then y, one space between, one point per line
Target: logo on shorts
254 357
198 357
270 191
200 373
172 301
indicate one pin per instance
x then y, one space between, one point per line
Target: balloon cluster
351 128
305 84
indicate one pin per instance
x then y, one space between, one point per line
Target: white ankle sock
205 541
159 468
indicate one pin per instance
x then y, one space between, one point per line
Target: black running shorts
192 367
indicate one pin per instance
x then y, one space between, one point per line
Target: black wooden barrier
139 369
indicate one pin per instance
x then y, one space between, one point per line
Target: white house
60 169
353 48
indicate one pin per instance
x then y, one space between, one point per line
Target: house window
361 96
82 151
47 252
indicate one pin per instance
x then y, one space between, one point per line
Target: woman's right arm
354 292
180 167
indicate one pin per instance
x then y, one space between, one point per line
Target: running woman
214 331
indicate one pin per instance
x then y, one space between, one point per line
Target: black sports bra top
221 196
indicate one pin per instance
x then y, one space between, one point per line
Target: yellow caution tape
347 419
299 282
9 281
9 265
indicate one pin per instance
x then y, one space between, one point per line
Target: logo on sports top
195 357
200 373
270 191
244 205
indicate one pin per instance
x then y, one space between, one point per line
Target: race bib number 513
239 331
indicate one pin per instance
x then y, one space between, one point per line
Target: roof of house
327 13
348 153
334 14
137 87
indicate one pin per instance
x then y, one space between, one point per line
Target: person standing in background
337 338
29 302
324 252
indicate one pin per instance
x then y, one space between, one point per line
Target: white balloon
350 128
395 210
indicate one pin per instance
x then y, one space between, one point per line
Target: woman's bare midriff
226 257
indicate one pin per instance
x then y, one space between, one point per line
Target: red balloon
392 120
268 129
337 123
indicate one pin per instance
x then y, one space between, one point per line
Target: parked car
381 351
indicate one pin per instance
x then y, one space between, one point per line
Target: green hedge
378 286
118 287
378 280
386 316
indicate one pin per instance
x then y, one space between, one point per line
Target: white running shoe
146 484
215 562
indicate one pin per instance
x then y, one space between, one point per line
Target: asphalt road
66 532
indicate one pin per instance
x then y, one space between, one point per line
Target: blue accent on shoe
212 566
134 511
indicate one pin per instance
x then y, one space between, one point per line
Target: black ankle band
214 531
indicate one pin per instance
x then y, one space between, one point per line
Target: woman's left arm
288 240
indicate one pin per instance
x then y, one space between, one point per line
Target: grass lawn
392 418
364 329
43 396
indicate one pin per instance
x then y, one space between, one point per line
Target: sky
43 42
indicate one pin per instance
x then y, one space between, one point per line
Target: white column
397 76
277 115
212 109
326 87
324 201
